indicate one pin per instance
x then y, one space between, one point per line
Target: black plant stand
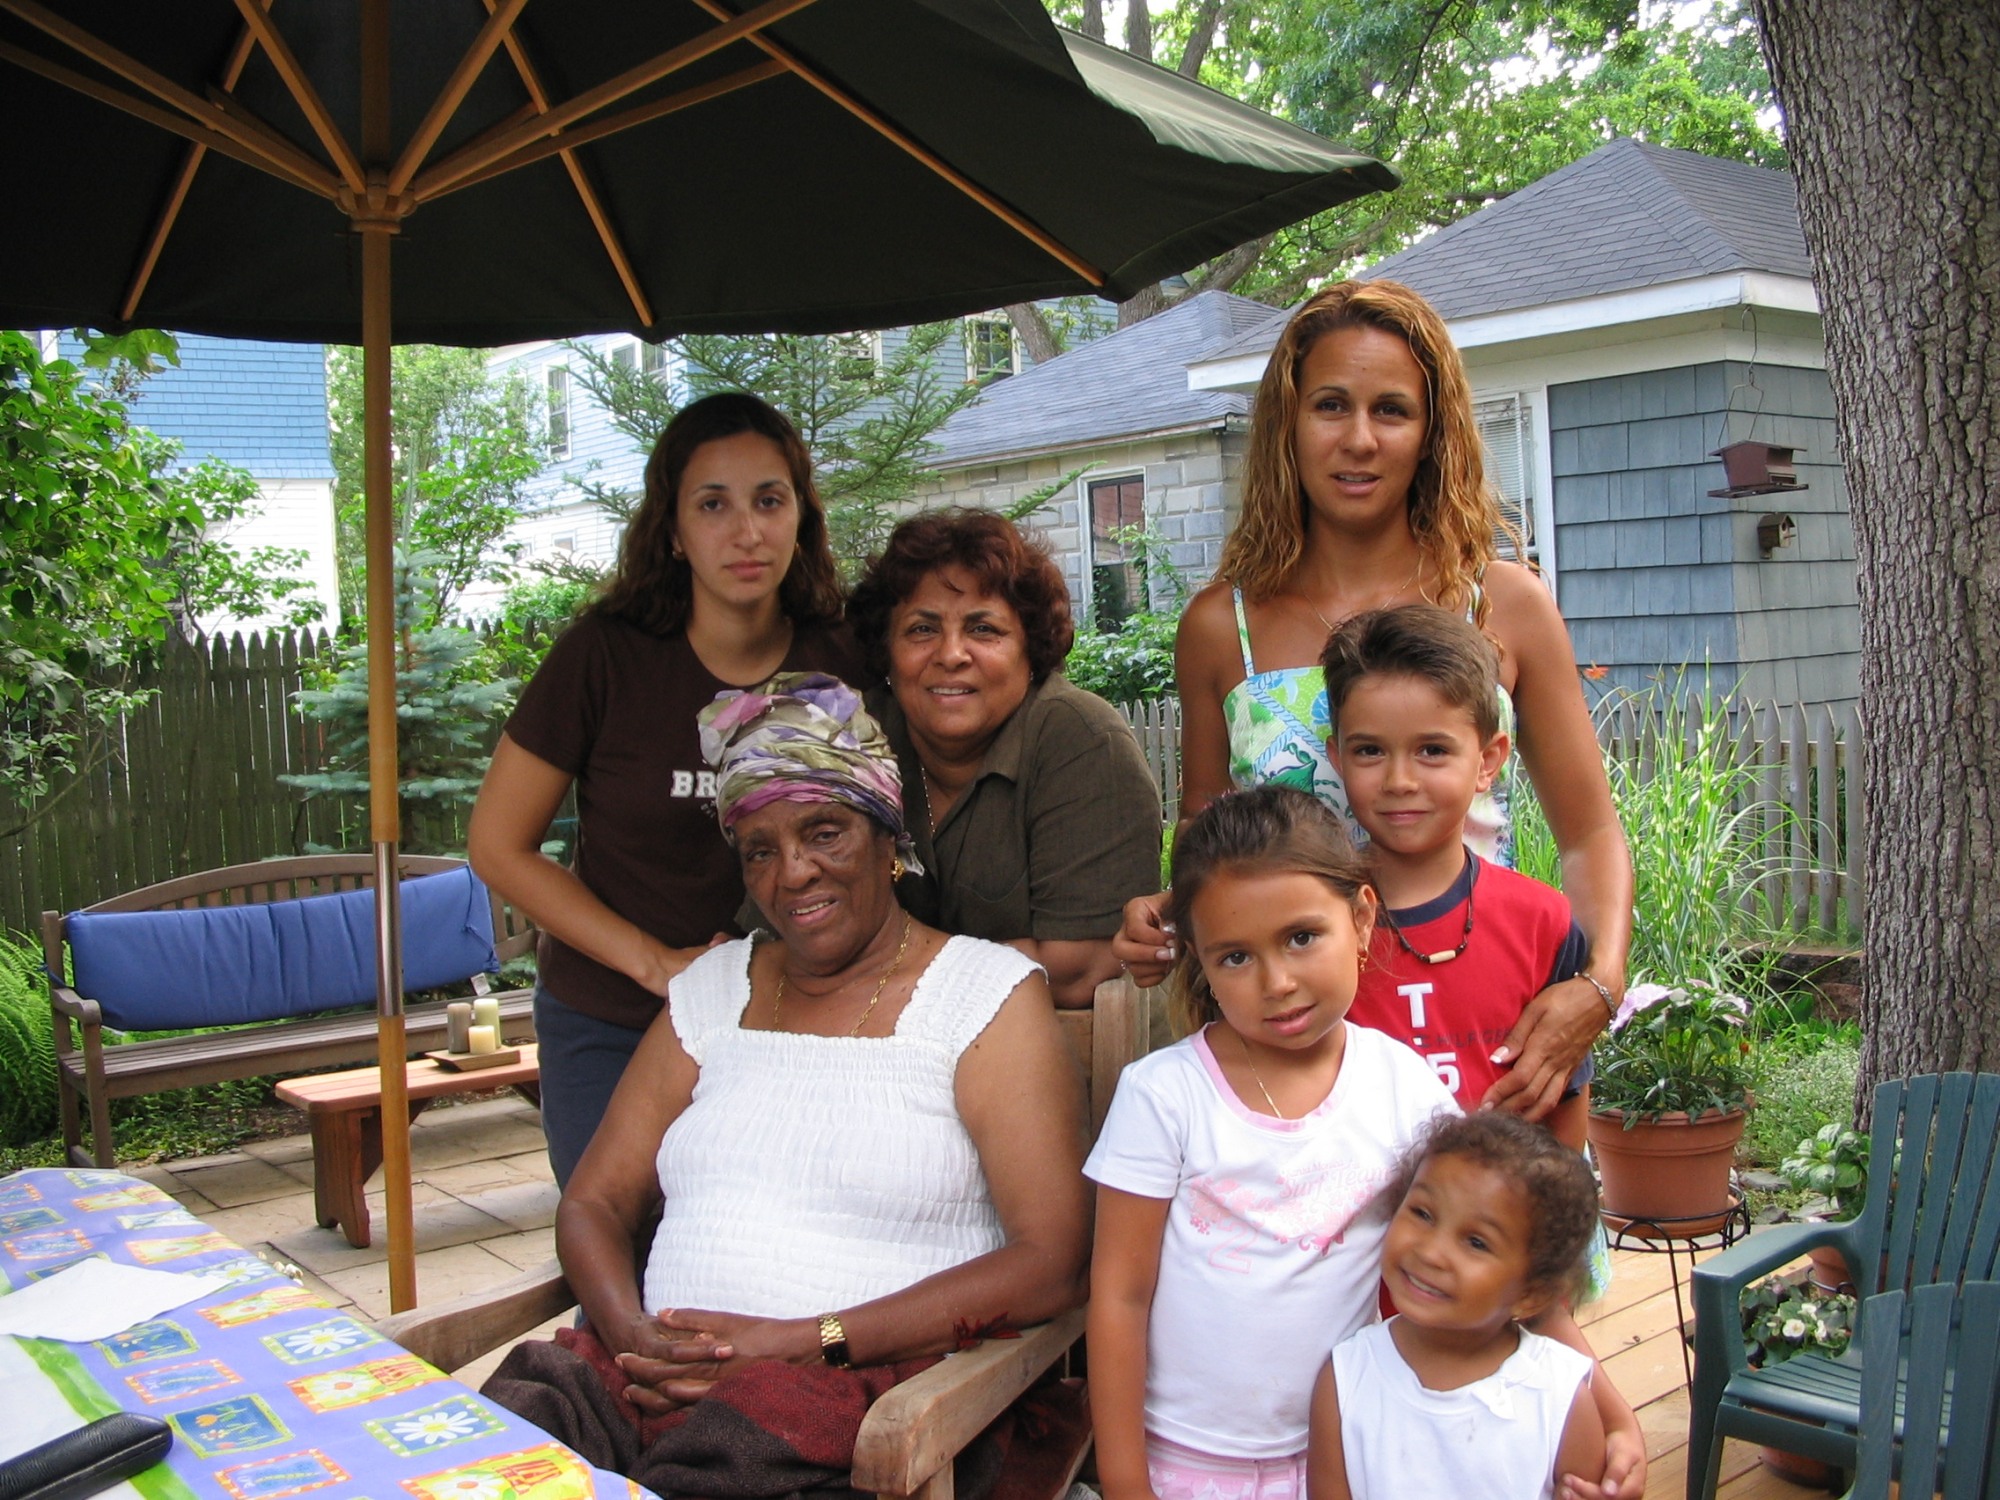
1663 1236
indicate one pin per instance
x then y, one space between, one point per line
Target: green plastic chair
1947 1375
1932 1216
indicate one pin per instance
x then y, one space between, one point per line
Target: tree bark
1892 112
1036 336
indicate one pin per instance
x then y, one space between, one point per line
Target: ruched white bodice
813 1173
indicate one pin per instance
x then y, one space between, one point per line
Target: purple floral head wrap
802 737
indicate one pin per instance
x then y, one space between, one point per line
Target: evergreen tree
445 712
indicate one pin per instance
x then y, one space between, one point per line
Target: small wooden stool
345 1112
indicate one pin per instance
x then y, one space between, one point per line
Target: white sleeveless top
1496 1438
812 1173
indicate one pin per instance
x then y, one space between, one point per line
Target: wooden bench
89 1074
345 1113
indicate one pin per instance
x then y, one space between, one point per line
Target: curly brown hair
1264 830
1561 1193
654 589
1453 509
1004 561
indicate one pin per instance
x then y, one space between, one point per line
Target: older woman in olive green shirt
1033 813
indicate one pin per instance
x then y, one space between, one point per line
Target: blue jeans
582 1060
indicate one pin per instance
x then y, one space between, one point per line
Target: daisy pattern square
322 1340
432 1427
155 1218
234 1426
288 1474
240 1270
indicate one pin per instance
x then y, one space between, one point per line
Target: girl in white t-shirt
1452 1396
1234 1168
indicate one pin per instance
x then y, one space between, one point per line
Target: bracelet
1603 990
833 1342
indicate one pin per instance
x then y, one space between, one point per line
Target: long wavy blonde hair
1454 511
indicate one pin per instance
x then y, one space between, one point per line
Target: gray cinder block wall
1654 572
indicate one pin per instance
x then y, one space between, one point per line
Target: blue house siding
1655 572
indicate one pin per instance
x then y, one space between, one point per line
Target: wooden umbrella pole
375 217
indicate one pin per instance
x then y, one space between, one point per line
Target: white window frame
973 370
652 359
1087 529
558 410
626 357
1533 506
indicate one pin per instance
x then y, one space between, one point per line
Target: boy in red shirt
1461 945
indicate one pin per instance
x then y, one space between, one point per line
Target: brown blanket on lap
768 1431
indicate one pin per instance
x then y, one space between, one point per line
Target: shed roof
1124 385
258 405
1629 215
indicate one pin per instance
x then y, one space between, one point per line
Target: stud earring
897 869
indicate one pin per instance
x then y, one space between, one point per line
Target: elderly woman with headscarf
861 1138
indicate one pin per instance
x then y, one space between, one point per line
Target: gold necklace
778 1003
1259 1077
1331 627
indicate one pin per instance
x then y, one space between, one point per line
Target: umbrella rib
583 135
498 28
166 119
156 243
1020 223
304 94
267 148
538 99
495 144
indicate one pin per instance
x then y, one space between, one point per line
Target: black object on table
90 1459
1660 1236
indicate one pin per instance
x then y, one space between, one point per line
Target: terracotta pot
1829 1270
1799 1469
1670 1169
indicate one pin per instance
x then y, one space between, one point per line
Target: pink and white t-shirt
1263 1263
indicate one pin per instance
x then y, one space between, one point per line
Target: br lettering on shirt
694 784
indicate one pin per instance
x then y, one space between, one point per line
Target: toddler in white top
1235 1168
1453 1396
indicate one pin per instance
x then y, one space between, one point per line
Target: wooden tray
467 1062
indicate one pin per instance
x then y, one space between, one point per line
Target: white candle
484 1038
487 1013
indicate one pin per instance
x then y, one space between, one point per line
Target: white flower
443 1425
1795 1328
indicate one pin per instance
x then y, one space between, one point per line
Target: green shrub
1134 664
1799 1088
27 1048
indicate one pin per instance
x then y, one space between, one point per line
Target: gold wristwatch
833 1341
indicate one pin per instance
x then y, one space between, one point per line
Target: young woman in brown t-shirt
724 577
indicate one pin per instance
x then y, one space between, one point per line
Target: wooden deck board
1633 1331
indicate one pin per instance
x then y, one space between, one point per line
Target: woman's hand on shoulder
1145 946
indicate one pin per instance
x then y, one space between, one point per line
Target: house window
1117 562
625 357
990 348
857 356
558 378
652 359
1506 428
565 544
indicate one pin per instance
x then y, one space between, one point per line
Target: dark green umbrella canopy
777 205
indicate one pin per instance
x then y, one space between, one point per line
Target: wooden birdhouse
1754 468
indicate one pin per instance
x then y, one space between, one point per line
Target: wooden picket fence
191 783
1805 772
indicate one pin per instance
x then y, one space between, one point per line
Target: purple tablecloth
271 1392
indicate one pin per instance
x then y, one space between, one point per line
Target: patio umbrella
597 165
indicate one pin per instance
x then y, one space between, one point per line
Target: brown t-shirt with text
614 706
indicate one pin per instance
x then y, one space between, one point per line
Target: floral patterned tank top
1278 725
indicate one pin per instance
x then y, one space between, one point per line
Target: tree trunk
1892 113
1036 336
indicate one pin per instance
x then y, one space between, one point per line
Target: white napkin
94 1299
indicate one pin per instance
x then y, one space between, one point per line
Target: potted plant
1784 1317
1667 1107
1832 1162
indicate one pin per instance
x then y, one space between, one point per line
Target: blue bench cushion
223 965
